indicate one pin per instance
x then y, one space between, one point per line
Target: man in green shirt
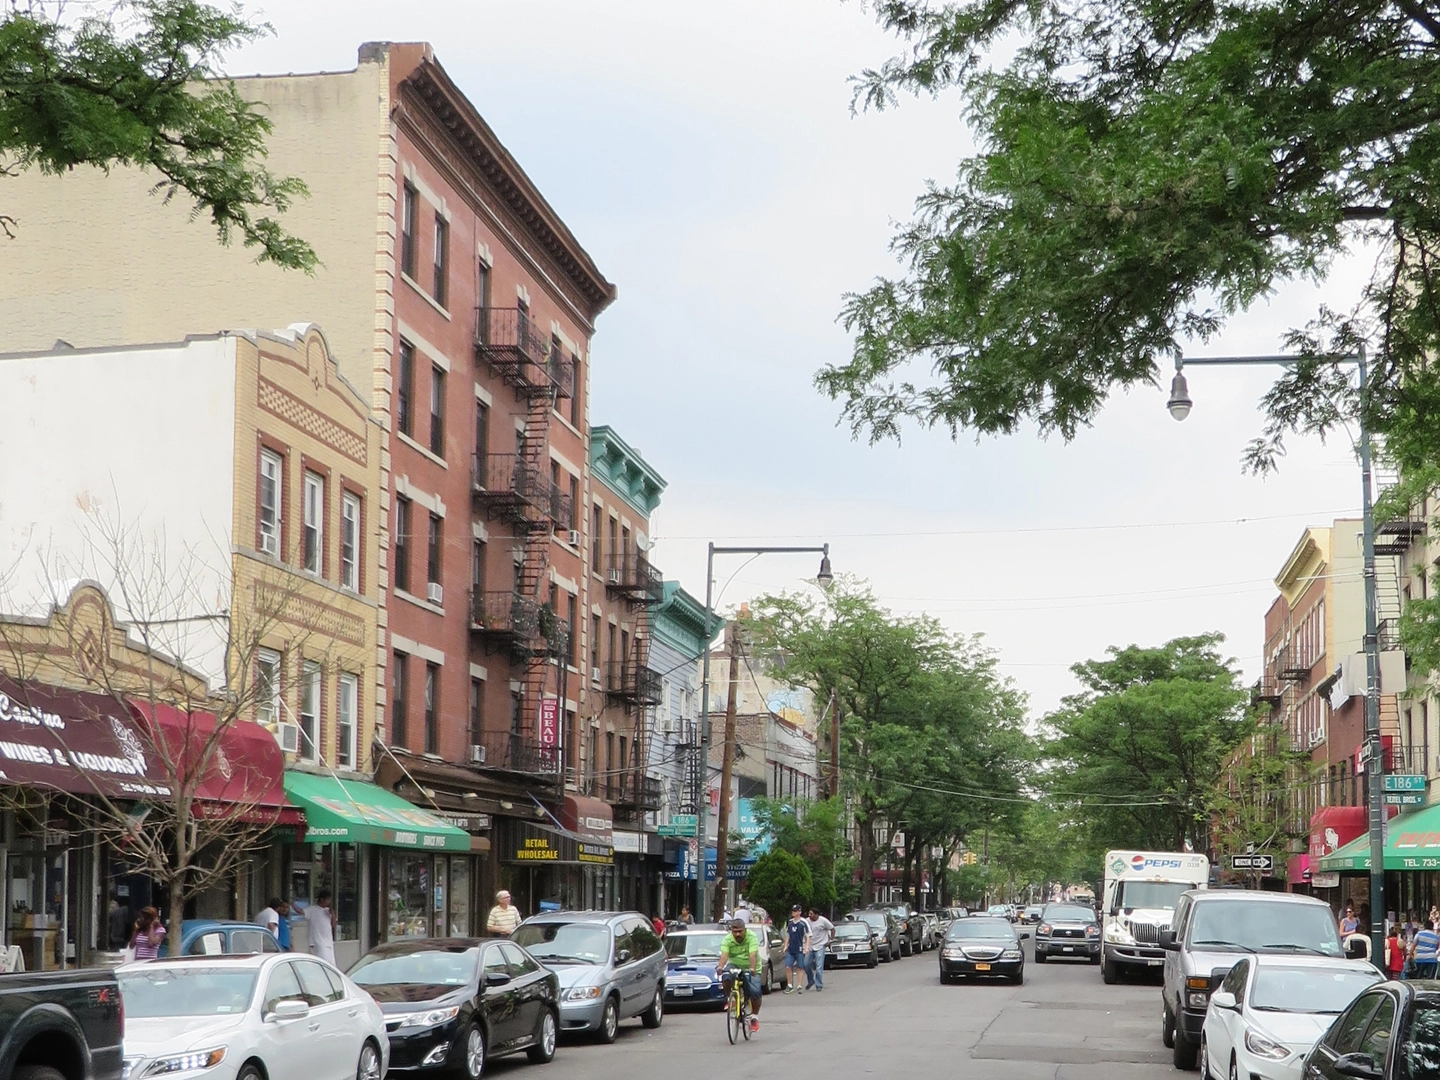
742 949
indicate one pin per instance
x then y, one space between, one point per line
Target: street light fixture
1373 753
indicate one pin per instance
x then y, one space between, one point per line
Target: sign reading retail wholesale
1404 798
537 849
1263 863
549 721
1404 782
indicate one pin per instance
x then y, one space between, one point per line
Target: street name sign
1265 863
1404 798
1404 782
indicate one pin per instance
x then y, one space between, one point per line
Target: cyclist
742 948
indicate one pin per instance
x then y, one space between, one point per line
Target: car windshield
1420 1044
855 930
874 919
1260 925
979 928
1308 989
694 944
424 967
1162 895
565 943
1068 913
189 991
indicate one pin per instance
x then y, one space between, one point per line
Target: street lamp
823 578
1373 755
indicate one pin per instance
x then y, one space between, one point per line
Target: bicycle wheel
733 1020
745 1019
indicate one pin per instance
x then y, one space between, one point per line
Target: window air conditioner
595 675
270 544
435 593
573 538
614 577
477 755
288 736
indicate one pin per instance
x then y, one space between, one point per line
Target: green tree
1140 750
1255 799
137 83
777 880
815 831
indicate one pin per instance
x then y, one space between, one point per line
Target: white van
1140 893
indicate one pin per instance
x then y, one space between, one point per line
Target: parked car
611 967
50 1020
1390 1032
982 947
885 931
1271 1011
1067 930
1214 928
220 937
930 928
853 942
911 932
691 955
265 1015
1000 911
1032 913
452 1004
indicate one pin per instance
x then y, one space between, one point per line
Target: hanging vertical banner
549 721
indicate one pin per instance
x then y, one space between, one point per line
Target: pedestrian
119 923
503 917
282 931
685 916
1394 954
148 934
659 925
269 916
1349 924
1427 944
797 948
821 929
320 918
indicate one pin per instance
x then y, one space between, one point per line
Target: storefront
393 869
550 868
1331 828
640 871
1412 857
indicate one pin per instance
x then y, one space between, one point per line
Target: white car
264 1017
1272 1009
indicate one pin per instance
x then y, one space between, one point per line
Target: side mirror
623 956
497 978
1223 999
1358 1065
1166 940
1024 935
290 1009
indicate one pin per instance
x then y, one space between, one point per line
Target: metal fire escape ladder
534 531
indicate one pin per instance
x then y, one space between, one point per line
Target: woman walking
149 933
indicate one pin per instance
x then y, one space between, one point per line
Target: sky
707 157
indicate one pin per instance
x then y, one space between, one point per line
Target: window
401 572
405 389
574 503
516 713
283 986
572 621
494 964
482 286
432 734
575 391
345 713
522 329
477 711
437 411
408 213
432 554
1377 1039
442 259
309 710
316 984
399 687
610 643
313 556
1344 1037
482 431
614 540
594 641
477 567
595 566
267 687
350 542
520 964
272 493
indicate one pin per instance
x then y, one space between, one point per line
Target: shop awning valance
1412 842
354 812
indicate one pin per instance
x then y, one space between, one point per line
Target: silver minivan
611 966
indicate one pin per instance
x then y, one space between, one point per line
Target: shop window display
408 884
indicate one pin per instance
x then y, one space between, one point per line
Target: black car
453 1003
853 942
884 932
1390 1032
1069 930
912 929
982 946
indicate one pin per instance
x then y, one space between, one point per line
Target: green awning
1412 842
354 812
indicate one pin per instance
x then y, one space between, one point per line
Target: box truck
1139 896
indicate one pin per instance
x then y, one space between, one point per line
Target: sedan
981 947
261 1017
884 932
452 1004
1271 1010
1067 930
691 956
852 943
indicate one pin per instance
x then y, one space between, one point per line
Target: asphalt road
1062 1024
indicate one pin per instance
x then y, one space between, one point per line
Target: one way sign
1264 863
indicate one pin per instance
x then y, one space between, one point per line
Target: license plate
1155 963
1069 948
684 991
982 967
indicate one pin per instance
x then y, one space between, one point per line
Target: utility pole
727 764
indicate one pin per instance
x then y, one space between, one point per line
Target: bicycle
737 1005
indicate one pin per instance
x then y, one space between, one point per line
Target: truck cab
1140 892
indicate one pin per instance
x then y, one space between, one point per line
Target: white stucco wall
136 442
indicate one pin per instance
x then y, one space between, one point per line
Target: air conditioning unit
435 593
477 755
270 544
595 675
288 736
573 538
614 577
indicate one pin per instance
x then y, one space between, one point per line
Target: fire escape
630 683
515 488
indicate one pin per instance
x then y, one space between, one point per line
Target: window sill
423 451
423 294
418 602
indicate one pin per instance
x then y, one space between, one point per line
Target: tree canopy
137 83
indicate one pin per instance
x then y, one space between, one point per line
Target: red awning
1298 869
237 769
589 819
1332 827
76 742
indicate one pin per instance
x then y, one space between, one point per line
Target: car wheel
545 1038
1039 956
872 961
45 1072
474 1062
1019 977
368 1067
652 1016
1167 1028
609 1021
768 982
1183 1052
1204 1057
1110 973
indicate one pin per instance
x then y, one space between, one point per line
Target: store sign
549 721
1325 879
536 849
596 853
627 843
468 822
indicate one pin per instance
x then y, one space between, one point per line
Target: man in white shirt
820 930
320 917
504 917
270 917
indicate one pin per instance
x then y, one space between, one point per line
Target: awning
236 766
1332 827
1412 842
589 819
530 843
80 743
354 812
1297 870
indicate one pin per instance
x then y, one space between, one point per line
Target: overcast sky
706 156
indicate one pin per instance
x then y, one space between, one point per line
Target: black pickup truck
61 1025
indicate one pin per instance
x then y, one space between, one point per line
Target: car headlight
582 993
194 1061
1117 933
1092 931
1044 928
953 952
1197 999
1267 1048
1010 954
430 1018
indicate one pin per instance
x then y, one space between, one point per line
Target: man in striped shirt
1427 944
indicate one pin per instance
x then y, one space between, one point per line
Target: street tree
1254 800
137 83
814 830
777 880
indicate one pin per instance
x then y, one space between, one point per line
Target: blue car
691 954
218 937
